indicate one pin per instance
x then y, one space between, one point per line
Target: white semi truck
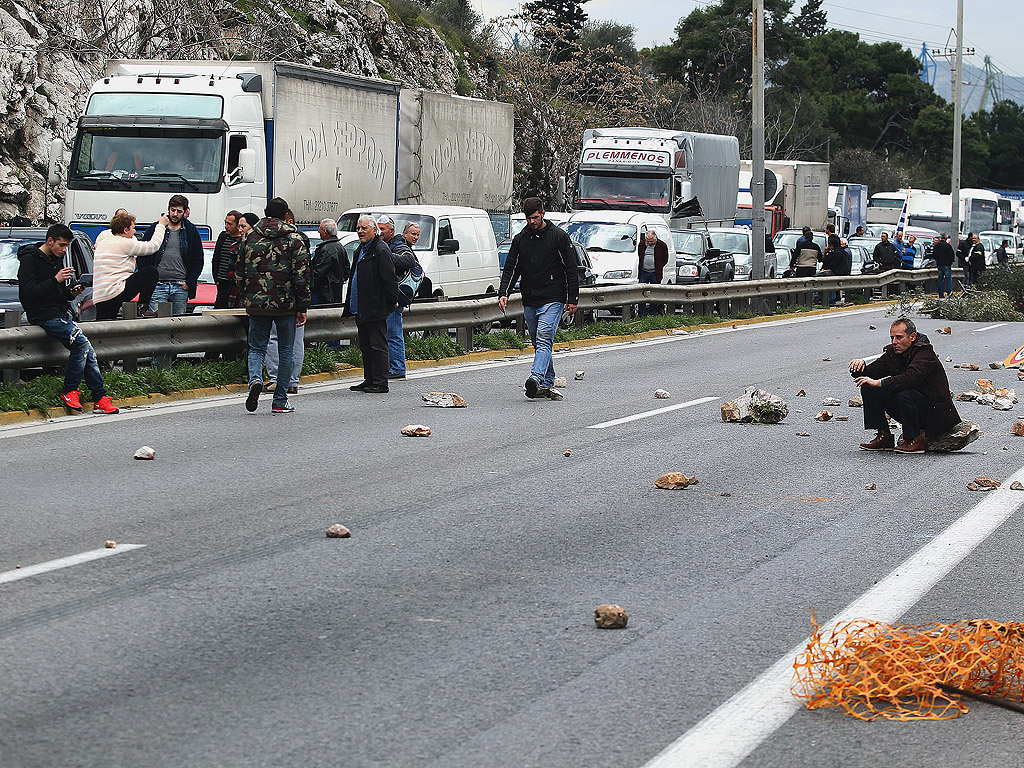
796 192
231 135
652 170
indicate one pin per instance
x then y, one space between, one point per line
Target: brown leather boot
883 441
914 446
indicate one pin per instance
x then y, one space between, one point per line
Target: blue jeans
259 336
82 361
945 280
298 355
172 292
644 309
396 343
543 323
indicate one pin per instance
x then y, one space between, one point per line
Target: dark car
697 261
79 255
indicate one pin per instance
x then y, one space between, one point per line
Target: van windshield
427 225
599 236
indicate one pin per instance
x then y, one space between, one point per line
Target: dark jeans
805 272
945 280
644 308
909 407
139 284
373 345
82 361
223 300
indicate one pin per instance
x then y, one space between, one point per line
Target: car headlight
621 274
688 270
742 269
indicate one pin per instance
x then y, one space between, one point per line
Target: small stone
110 544
1016 486
661 394
973 367
730 412
610 617
444 400
987 482
1003 404
145 453
831 401
949 359
976 487
675 481
1020 374
870 487
568 452
725 493
580 375
871 327
803 434
856 402
826 359
966 397
842 418
1006 447
559 382
416 430
995 365
338 531
801 393
823 416
985 386
1017 428
944 331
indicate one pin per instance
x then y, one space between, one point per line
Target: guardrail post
464 337
130 311
12 319
164 362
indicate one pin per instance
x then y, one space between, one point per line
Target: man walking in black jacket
541 256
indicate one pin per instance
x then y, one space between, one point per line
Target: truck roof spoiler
155 121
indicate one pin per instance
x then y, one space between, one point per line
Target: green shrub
431 348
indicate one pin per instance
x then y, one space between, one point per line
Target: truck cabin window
647 192
129 153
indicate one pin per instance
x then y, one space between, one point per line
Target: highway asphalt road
455 627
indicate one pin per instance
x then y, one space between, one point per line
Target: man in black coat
372 295
909 383
541 254
944 257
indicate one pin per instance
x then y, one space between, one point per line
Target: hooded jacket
272 271
42 296
545 262
919 368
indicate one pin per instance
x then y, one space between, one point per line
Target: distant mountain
974 80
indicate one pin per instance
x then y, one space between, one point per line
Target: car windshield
789 239
599 236
9 258
732 242
427 225
687 243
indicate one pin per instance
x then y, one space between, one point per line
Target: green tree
557 24
601 36
458 14
932 145
811 20
1003 131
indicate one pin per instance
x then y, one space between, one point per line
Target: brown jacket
660 256
920 369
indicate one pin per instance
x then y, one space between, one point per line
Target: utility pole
957 76
757 147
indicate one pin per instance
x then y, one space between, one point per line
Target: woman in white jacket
115 279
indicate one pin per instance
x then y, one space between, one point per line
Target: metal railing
25 346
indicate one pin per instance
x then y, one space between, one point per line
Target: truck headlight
688 270
618 274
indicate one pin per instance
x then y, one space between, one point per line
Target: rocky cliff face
55 49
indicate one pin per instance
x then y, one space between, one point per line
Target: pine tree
811 20
558 23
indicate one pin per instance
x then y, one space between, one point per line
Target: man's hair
276 208
1006 242
252 218
236 214
830 228
907 323
369 218
178 201
532 205
806 230
121 222
60 232
410 225
330 227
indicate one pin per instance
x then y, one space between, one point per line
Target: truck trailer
847 207
799 191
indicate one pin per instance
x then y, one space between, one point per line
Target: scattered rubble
944 331
338 531
1017 428
675 481
842 418
145 453
871 327
444 400
870 487
755 406
661 394
969 396
1020 374
1003 404
610 617
960 436
803 434
580 375
967 366
1016 486
110 544
949 360
831 401
985 385
416 430
568 452
995 365
826 359
823 416
801 393
987 482
559 382
856 402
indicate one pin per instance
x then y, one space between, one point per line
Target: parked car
79 255
992 239
698 261
737 241
612 238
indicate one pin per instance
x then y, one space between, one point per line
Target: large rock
610 617
755 406
959 437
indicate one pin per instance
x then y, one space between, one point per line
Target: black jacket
330 271
885 253
376 282
943 254
225 254
920 369
41 295
544 261
191 252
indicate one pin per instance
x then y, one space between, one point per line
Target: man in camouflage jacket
272 273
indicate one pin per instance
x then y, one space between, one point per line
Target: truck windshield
154 154
427 225
981 215
598 236
615 190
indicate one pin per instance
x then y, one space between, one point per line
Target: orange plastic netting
872 669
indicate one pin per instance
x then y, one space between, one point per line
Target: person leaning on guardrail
45 289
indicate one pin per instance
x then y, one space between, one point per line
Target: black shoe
532 387
376 389
361 387
396 376
252 401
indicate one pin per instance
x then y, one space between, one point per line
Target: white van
456 249
612 239
518 220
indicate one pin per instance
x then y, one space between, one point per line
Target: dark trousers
909 407
223 300
140 283
373 345
805 272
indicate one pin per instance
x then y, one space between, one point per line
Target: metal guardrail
24 346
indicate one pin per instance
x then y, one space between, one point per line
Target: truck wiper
171 175
592 200
639 202
106 175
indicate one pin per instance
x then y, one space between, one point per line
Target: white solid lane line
647 414
988 327
730 733
65 562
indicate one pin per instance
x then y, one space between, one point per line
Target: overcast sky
991 26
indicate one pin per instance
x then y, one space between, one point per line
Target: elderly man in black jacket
372 295
909 383
542 255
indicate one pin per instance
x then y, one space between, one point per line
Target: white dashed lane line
65 562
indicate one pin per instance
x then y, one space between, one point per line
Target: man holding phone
45 289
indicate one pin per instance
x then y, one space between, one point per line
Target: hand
77 289
300 319
502 302
163 219
571 308
865 381
65 274
183 285
856 365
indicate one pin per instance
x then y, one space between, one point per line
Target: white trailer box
802 193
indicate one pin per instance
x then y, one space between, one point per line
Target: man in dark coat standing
372 295
909 383
652 256
944 257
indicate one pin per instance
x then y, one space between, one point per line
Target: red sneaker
103 405
71 401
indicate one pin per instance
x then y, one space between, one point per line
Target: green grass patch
431 348
506 338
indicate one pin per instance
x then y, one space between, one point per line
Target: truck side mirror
246 166
56 156
448 246
846 228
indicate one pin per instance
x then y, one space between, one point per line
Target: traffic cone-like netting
872 669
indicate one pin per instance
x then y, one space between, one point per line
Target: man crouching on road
909 383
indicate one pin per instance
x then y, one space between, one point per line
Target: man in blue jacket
178 260
541 254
